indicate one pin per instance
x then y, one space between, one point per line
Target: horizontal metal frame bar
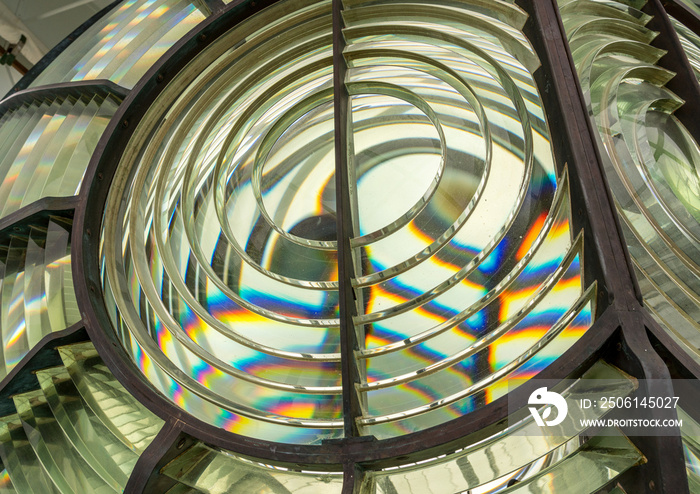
36 211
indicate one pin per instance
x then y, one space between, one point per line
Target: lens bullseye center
396 154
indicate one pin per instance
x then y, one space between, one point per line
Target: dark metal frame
623 334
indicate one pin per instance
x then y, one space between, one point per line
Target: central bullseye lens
219 249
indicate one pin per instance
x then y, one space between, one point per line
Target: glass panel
36 287
651 160
110 458
510 458
125 43
126 418
80 432
598 462
466 263
225 290
224 287
214 471
22 464
45 147
68 471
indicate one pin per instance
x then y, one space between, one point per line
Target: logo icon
553 400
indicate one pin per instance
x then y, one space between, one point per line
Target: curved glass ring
560 200
494 68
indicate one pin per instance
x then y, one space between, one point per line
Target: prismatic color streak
219 247
47 146
35 297
227 240
481 280
125 43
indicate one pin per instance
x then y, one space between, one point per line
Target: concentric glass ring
219 238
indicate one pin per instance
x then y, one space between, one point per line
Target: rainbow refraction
46 146
125 43
36 287
481 282
219 258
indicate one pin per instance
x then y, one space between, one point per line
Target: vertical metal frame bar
166 446
344 227
681 12
560 88
352 478
665 470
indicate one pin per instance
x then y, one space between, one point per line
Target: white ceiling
47 22
44 23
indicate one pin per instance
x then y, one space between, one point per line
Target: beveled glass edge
62 90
